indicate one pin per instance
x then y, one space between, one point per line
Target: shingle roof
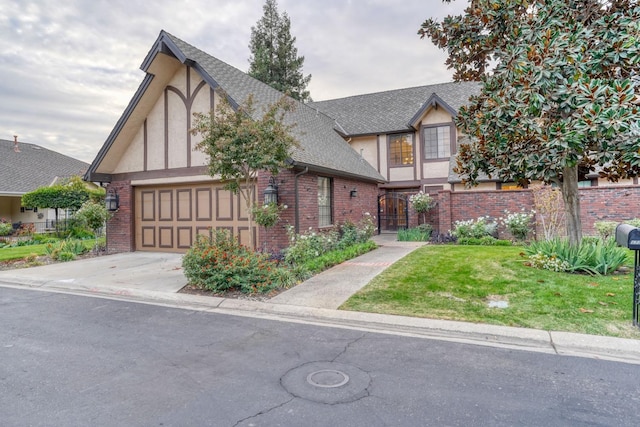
33 167
392 110
320 146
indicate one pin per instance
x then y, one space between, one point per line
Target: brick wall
120 232
345 207
617 203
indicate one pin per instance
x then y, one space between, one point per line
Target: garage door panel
203 204
165 237
165 205
224 205
184 205
185 237
148 237
148 205
168 218
244 236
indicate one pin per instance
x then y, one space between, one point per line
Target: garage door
168 218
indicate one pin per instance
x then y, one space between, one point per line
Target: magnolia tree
240 143
562 98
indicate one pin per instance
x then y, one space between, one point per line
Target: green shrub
518 224
66 256
605 229
477 228
220 264
338 256
5 227
422 233
62 250
591 256
309 245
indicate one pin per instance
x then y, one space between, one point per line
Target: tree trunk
571 197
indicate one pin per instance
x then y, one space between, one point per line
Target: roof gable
320 145
33 166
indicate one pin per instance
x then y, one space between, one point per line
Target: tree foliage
240 143
562 98
274 58
69 194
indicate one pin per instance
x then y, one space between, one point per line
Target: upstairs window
401 149
437 142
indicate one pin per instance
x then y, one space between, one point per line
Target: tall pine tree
274 58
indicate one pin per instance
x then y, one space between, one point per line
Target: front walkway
333 287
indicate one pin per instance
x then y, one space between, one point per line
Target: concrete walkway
332 287
155 278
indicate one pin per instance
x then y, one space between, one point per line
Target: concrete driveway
145 271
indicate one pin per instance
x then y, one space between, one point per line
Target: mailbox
628 236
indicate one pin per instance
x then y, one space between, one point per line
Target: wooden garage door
167 218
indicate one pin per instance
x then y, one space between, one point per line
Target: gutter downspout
297 213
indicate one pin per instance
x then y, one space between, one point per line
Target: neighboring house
26 167
166 196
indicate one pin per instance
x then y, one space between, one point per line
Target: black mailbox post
629 236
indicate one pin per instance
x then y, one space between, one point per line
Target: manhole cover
327 382
327 378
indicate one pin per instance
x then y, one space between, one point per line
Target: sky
68 68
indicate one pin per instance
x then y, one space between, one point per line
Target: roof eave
334 172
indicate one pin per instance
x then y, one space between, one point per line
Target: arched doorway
393 212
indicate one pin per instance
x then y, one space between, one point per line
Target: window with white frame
325 217
437 142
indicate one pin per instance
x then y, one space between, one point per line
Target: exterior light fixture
112 200
353 193
271 192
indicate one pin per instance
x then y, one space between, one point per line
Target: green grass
19 252
457 282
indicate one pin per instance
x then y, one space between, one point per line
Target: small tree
240 143
422 203
94 215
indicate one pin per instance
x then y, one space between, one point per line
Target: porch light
353 193
271 192
112 201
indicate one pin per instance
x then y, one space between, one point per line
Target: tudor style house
358 155
165 194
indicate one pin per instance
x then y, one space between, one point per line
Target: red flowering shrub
221 264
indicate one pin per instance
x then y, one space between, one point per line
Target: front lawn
20 252
461 282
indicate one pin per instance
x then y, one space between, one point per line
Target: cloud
68 68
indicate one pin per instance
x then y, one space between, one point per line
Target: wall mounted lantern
271 192
353 193
112 201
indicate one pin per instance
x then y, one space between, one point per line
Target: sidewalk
154 278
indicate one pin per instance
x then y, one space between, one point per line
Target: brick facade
345 207
120 231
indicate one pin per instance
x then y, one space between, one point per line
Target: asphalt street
71 360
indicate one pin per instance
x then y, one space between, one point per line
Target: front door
393 212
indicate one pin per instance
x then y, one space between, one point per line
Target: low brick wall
614 203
